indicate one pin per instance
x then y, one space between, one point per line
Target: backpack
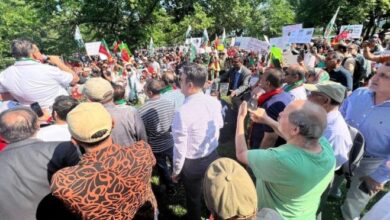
355 154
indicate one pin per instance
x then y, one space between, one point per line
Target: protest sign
286 32
276 41
354 31
302 36
92 48
252 44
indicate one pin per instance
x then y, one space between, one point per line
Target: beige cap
98 90
334 90
228 190
87 119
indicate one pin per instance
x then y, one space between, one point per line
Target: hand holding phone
37 109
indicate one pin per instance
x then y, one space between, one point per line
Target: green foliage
315 13
278 13
51 23
16 20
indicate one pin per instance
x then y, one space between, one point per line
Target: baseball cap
89 122
334 90
98 89
228 190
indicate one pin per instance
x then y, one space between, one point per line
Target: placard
354 31
276 41
92 48
302 36
287 30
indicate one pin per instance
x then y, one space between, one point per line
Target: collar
332 115
120 102
22 143
166 89
288 88
101 155
194 96
26 61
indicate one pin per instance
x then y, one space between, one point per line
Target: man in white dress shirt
195 131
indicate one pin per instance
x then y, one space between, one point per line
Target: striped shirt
157 115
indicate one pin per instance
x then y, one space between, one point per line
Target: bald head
18 124
309 117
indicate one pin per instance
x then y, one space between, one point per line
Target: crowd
80 140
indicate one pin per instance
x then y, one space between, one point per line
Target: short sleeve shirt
292 180
30 81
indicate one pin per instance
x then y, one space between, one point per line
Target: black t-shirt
342 76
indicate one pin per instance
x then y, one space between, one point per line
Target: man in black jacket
238 77
27 164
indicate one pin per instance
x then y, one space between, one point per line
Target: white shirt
338 135
30 81
54 133
299 93
195 129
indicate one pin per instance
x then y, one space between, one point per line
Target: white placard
92 48
302 36
276 41
287 30
252 44
354 31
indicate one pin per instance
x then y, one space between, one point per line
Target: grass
173 207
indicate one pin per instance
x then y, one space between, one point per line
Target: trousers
356 200
192 177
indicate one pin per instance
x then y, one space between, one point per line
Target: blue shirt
373 121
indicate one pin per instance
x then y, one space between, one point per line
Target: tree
277 13
16 20
319 12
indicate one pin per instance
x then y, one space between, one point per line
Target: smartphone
363 187
37 109
252 104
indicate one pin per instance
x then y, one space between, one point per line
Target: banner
354 31
92 48
252 44
302 36
287 30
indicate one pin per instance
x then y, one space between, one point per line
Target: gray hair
22 47
196 74
18 124
311 120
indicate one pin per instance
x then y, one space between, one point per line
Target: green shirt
291 180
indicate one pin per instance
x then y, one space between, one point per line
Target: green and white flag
205 39
78 38
151 47
192 52
223 40
188 32
329 27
